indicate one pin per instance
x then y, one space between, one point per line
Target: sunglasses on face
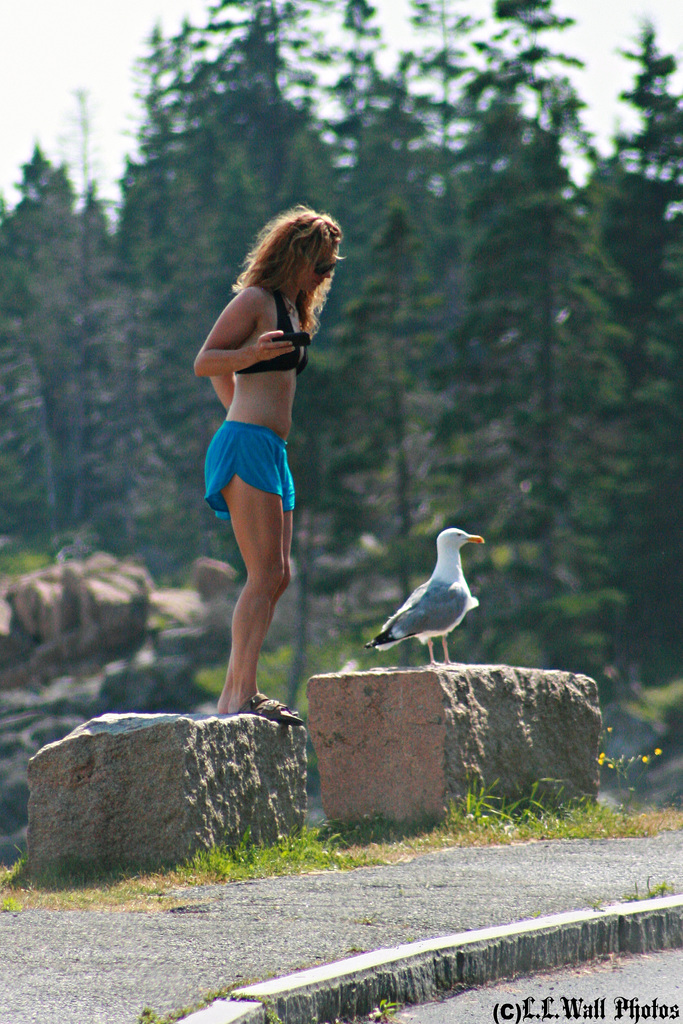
324 268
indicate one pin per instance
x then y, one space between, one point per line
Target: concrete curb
421 971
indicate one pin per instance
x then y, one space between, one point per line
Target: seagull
439 605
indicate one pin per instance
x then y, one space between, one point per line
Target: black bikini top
294 360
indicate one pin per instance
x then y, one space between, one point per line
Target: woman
253 369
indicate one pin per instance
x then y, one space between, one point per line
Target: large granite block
148 789
404 743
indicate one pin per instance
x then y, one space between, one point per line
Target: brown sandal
273 710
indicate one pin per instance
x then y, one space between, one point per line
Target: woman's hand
226 351
268 346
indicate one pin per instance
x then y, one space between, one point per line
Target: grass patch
210 680
652 892
481 819
74 887
16 562
311 850
148 1016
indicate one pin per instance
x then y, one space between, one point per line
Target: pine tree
443 64
439 70
357 83
535 376
641 192
259 73
40 244
385 416
59 346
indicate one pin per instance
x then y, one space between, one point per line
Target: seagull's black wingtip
381 638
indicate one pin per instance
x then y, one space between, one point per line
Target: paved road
626 989
104 968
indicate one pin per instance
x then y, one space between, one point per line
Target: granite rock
70 613
151 789
404 743
212 578
99 597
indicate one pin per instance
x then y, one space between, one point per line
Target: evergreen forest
501 350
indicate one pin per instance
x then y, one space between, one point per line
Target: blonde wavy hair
291 239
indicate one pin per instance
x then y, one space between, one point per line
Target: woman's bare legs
286 549
264 536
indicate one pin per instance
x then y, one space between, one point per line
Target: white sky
51 48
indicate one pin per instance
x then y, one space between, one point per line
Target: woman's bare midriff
265 399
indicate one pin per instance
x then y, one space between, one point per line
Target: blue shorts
256 455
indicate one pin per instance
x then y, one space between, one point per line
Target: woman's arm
224 351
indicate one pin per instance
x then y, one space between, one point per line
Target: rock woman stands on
253 369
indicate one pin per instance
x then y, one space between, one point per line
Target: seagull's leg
445 650
432 659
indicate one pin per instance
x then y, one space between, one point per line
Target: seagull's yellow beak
476 539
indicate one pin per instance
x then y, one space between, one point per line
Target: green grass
16 562
313 849
210 680
480 819
148 1016
652 892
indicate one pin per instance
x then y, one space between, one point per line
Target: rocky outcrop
213 579
405 742
68 613
157 678
60 631
92 611
152 789
29 720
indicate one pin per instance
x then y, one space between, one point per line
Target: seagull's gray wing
407 605
434 607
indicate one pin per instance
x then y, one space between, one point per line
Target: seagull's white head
453 540
448 545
